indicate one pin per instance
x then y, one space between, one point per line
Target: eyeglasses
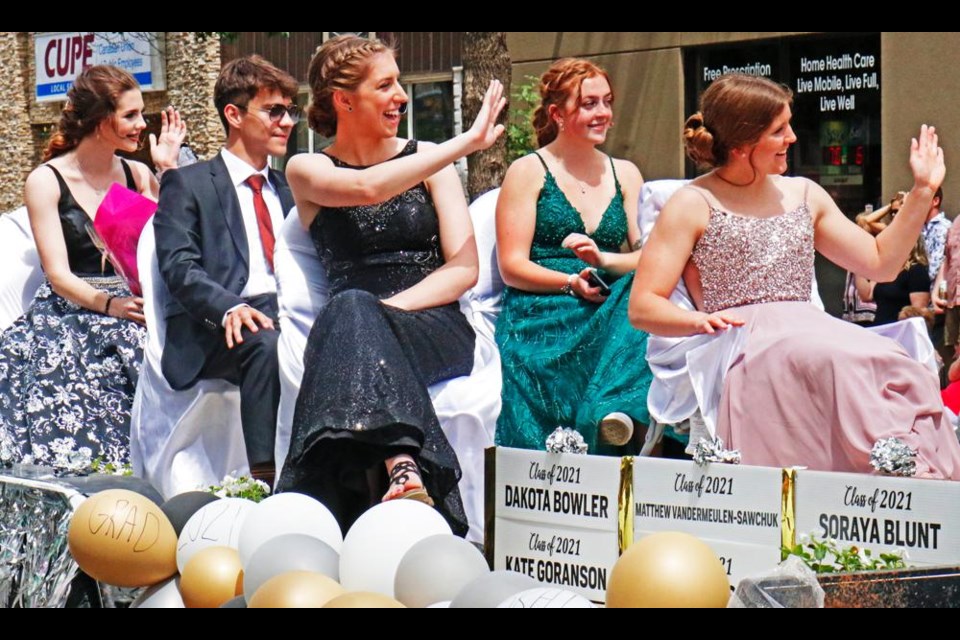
276 112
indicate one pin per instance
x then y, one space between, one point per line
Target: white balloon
289 552
546 598
287 513
163 595
439 605
380 538
436 569
490 589
216 524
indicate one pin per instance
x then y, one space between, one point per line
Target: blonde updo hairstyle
734 111
339 64
558 84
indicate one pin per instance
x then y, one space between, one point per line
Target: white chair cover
689 372
20 272
179 440
467 407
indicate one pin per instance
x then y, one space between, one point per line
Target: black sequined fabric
367 365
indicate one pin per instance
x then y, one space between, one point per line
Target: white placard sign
551 488
882 513
573 558
735 503
60 57
556 518
739 560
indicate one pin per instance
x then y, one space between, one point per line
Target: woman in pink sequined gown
800 387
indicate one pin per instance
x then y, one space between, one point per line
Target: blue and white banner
60 57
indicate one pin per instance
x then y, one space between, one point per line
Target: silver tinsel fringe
565 440
36 567
707 451
894 456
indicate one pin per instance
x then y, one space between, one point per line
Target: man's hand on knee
245 316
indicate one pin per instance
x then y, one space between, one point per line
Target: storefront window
430 111
836 112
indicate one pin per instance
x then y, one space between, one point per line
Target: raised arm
461 267
662 263
316 182
165 149
881 258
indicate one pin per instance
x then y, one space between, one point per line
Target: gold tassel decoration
625 504
788 510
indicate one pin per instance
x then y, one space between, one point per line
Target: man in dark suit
215 228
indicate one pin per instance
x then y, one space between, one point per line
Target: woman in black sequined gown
391 227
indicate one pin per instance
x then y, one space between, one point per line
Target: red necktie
263 217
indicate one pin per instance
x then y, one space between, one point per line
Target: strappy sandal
400 475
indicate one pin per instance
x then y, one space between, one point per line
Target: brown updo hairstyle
339 64
92 99
558 84
734 111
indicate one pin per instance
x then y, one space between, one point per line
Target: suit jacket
203 256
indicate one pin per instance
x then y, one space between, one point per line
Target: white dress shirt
260 280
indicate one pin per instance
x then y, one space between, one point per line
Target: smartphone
594 280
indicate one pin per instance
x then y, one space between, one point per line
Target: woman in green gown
570 357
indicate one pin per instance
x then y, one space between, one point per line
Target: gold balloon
363 600
122 538
211 577
668 569
295 590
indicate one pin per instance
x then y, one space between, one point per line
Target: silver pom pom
708 451
565 441
893 456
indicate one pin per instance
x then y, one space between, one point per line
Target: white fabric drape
20 272
179 440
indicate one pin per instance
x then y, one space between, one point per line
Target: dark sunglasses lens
277 111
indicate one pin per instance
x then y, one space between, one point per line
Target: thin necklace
731 182
99 191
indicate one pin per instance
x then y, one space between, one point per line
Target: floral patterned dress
68 374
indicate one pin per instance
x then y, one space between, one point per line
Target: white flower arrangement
241 487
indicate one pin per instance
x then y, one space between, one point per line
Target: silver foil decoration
36 567
8 449
707 451
566 440
894 456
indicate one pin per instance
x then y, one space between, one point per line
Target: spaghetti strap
131 181
613 168
63 183
542 161
703 195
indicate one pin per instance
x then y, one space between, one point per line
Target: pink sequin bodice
747 260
